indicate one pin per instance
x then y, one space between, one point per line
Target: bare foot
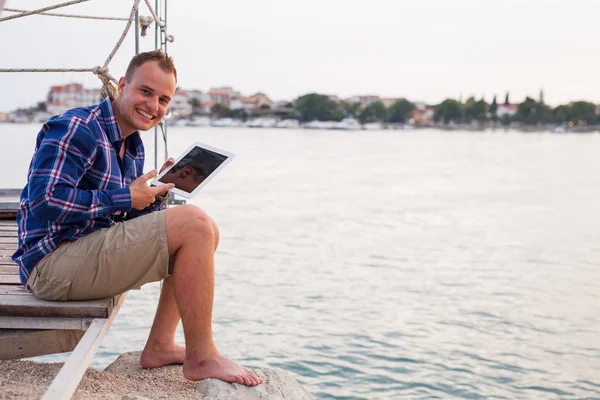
219 367
160 356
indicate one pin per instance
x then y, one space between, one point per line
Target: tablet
194 169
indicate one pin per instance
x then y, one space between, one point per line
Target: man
91 227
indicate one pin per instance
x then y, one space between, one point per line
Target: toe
248 381
239 379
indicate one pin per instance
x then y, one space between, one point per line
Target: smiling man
90 226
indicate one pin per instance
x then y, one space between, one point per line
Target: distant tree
475 110
560 115
219 111
265 107
351 109
239 113
493 106
195 103
41 106
374 112
315 106
532 112
582 111
400 111
506 102
449 110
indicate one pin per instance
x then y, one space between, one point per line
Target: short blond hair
165 62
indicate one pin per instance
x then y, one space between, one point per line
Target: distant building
422 116
222 95
62 98
260 99
419 105
180 104
335 98
507 109
388 101
364 100
4 117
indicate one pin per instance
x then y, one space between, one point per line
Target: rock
277 385
133 396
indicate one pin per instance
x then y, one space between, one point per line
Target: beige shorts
106 262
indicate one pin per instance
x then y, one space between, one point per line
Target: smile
145 114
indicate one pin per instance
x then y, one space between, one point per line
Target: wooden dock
33 327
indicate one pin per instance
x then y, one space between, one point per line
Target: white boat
227 123
262 122
288 124
373 126
202 121
348 124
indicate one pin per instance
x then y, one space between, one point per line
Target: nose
152 103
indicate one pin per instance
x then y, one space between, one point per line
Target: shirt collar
109 121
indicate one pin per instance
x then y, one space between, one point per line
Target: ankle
159 344
201 354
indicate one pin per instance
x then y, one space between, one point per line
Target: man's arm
63 157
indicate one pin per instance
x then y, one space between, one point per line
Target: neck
126 129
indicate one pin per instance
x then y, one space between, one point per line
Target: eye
145 91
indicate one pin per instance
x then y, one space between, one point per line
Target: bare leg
161 348
192 239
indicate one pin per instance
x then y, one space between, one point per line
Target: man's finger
162 188
148 175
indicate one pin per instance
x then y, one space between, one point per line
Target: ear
185 172
122 83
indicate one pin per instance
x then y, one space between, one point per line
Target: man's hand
167 163
143 195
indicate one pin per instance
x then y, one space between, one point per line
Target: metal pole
137 31
156 30
166 124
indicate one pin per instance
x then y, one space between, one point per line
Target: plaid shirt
76 183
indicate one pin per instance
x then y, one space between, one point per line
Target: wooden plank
31 343
8 214
9 269
31 306
13 290
10 279
45 323
66 381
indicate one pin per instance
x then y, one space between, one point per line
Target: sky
426 50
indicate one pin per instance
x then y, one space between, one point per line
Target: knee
190 221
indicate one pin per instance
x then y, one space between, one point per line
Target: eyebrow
148 88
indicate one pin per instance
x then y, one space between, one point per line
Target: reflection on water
384 265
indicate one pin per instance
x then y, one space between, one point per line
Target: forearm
64 204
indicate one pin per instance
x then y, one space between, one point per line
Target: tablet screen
193 169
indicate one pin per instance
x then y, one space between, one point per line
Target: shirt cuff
121 199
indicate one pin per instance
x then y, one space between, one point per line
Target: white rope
41 10
109 87
131 18
67 15
159 22
46 69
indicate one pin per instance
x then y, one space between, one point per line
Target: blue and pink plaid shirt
76 183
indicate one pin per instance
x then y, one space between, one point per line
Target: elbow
41 208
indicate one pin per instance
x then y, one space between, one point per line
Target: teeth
143 114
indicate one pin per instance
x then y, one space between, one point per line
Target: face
142 102
184 178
